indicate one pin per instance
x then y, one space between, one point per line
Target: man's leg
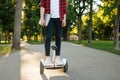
58 35
48 35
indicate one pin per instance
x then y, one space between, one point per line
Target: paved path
84 64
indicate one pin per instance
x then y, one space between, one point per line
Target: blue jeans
57 25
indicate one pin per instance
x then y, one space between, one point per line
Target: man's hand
64 23
42 22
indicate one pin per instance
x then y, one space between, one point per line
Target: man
56 9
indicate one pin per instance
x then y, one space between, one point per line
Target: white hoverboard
54 66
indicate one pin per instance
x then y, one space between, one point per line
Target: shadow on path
10 67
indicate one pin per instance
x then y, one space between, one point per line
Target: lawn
4 49
102 45
35 42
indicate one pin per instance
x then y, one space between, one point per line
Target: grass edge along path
4 49
101 45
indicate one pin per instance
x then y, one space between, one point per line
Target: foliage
103 21
110 6
5 50
71 15
103 18
31 18
6 18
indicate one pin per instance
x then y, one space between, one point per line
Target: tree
103 21
17 25
116 29
79 7
90 23
31 19
113 5
71 19
6 18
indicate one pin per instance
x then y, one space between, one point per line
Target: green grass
102 45
4 50
35 42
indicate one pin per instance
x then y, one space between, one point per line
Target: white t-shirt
54 9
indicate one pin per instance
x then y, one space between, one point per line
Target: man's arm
42 12
65 12
64 21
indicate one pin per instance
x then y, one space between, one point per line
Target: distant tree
17 25
90 23
79 7
116 29
31 19
71 20
114 5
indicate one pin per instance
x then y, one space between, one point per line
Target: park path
84 64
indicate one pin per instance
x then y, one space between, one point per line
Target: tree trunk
66 31
68 28
90 24
116 30
0 36
5 36
80 29
17 25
